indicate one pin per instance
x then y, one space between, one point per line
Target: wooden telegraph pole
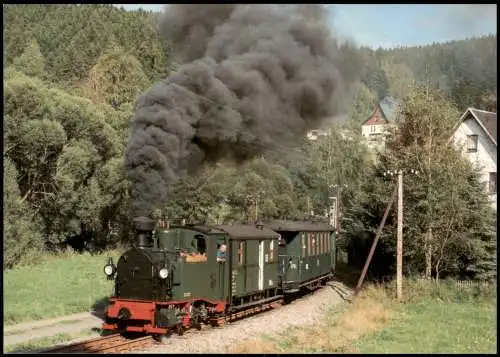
337 219
399 244
374 244
398 189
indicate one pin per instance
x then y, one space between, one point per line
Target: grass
371 310
438 319
60 285
432 319
436 327
47 342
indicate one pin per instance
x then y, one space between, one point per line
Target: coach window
321 244
309 244
303 244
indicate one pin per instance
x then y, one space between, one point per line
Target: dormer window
472 143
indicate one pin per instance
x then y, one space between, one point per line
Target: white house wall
366 130
377 143
485 158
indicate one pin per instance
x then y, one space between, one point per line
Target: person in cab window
221 253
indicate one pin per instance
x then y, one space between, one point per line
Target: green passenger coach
307 252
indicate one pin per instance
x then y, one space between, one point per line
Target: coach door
283 259
261 265
221 267
283 266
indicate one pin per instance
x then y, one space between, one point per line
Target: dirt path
35 330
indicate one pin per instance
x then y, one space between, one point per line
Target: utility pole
337 203
399 239
335 217
375 241
337 211
332 214
399 244
257 199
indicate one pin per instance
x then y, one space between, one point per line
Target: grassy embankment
432 319
59 285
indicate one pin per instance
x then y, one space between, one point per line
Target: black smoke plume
255 78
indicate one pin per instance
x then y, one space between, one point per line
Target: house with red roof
376 127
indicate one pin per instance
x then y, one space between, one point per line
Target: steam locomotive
185 276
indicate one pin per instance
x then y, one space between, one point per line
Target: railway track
344 293
117 343
106 344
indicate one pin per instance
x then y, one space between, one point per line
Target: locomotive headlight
109 270
163 273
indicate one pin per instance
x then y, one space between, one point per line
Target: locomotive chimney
144 228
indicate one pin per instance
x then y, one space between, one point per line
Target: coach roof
299 226
247 231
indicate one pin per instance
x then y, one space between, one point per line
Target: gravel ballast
305 311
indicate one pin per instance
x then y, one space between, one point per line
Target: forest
72 74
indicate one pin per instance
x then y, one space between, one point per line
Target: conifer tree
31 61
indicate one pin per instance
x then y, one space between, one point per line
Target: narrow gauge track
117 343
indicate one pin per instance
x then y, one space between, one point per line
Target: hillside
465 70
72 76
71 42
72 38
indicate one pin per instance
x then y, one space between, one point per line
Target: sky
391 26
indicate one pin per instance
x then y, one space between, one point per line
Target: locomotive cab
198 272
